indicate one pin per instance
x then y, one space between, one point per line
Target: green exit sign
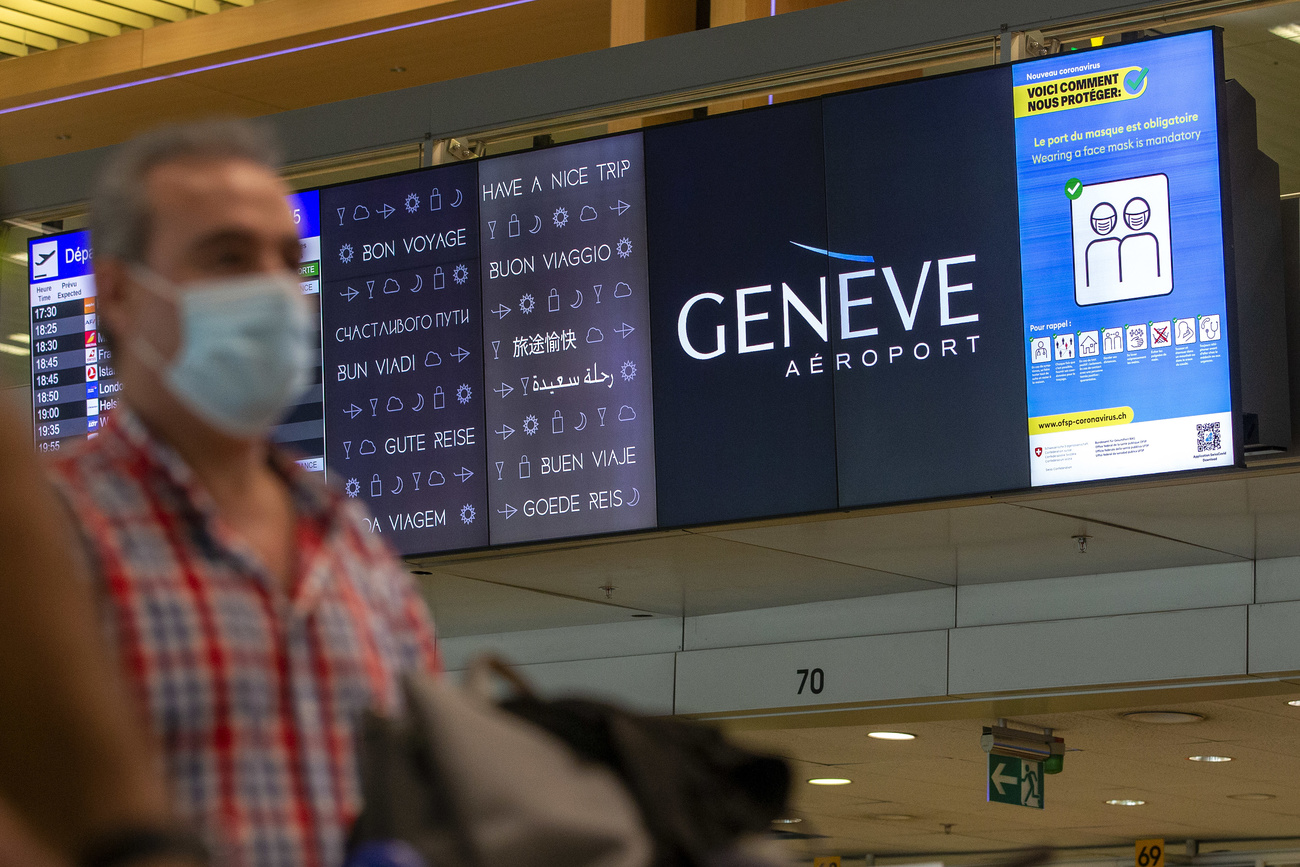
1015 781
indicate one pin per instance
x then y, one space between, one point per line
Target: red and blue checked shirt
255 695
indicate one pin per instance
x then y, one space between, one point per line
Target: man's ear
112 296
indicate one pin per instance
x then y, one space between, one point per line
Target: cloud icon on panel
436 478
587 214
594 335
396 287
395 404
432 359
361 212
626 413
622 290
367 448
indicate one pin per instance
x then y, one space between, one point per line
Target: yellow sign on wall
831 861
1149 853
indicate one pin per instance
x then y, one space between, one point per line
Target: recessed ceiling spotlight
1210 759
1294 702
829 781
1252 796
63 136
1164 717
793 820
397 69
891 736
891 817
1125 802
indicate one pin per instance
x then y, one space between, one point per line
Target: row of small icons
395 404
559 217
433 479
390 286
1134 338
527 303
531 424
412 204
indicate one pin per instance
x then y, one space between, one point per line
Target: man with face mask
254 614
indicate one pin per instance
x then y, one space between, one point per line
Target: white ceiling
939 778
1227 519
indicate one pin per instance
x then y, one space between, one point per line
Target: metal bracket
1022 44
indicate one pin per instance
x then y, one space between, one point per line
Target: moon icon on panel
537 225
582 424
419 404
459 198
576 304
635 498
419 283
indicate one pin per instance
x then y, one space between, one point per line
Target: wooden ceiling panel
112 117
434 52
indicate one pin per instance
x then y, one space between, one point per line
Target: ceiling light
398 69
1210 759
1286 31
795 820
13 350
20 338
891 736
829 781
1163 717
1125 802
63 136
1294 702
1252 796
891 817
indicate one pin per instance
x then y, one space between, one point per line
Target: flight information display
73 379
567 341
1126 315
403 338
302 431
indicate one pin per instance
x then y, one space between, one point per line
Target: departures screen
990 281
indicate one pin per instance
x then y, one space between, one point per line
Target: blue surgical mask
246 348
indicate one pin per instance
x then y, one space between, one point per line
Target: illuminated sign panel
1126 352
989 281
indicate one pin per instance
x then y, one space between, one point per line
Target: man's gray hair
120 216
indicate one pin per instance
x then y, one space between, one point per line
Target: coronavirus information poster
1121 234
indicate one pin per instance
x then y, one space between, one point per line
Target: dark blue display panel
743 392
1127 315
571 426
402 341
925 265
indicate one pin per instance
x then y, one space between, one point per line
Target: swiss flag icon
1038 451
92 373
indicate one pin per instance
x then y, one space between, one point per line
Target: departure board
73 380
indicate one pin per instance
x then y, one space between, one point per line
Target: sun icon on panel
624 247
412 203
560 218
629 371
345 253
467 514
526 303
353 487
460 274
463 394
530 425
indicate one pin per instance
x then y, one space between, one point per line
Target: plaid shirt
254 695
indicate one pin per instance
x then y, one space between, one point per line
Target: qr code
1208 438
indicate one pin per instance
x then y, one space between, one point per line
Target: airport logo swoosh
847 257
